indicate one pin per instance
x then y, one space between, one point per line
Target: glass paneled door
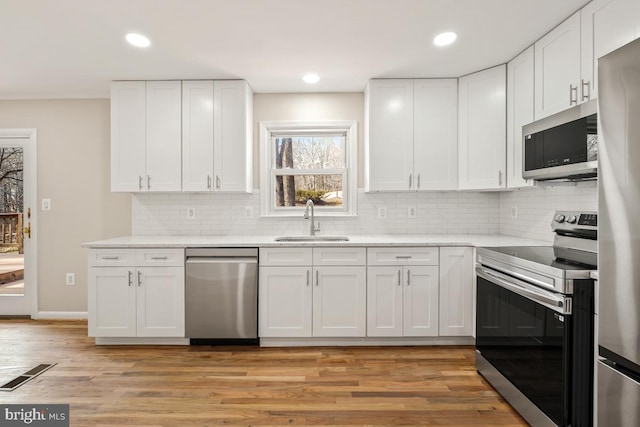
17 219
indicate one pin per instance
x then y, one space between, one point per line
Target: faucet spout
310 208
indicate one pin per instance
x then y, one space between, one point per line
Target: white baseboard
366 341
66 315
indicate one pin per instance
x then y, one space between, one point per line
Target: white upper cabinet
146 136
410 135
481 130
233 136
435 134
606 26
197 135
519 113
557 68
389 135
128 135
164 136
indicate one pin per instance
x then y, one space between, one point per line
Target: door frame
30 182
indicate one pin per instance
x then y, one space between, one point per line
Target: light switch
46 204
191 213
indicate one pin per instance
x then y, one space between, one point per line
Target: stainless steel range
534 323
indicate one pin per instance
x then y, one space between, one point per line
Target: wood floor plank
202 385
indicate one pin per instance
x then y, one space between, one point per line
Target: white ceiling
74 48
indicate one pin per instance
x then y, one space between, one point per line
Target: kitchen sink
312 239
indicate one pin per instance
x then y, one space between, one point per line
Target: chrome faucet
313 227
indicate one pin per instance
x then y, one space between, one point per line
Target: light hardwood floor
204 385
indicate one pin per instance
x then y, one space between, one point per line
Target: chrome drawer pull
111 258
159 258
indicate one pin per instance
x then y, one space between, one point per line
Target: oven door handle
556 302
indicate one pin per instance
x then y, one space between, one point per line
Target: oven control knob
559 218
572 219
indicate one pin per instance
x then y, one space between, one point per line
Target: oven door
525 333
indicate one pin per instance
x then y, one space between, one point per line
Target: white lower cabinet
144 298
340 301
402 301
304 298
285 301
456 292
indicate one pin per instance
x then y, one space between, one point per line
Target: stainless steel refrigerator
618 368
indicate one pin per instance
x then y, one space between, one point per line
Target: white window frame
350 178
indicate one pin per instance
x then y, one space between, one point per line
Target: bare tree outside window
11 199
309 167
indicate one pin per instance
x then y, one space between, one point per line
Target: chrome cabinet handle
208 182
159 258
307 277
403 256
217 182
499 177
139 182
418 181
317 279
111 258
399 284
130 277
573 89
410 180
585 84
139 277
148 182
408 277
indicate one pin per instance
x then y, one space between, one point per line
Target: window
302 161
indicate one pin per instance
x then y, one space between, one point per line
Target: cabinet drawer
112 257
339 256
160 257
290 256
402 256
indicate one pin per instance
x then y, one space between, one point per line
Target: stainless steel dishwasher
221 295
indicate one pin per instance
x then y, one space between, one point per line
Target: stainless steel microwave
563 146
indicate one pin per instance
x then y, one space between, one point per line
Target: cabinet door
232 136
456 292
197 135
519 113
557 68
435 134
284 301
160 301
339 302
606 26
164 136
389 135
482 130
128 136
384 301
420 301
112 302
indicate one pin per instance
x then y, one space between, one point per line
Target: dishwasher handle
221 260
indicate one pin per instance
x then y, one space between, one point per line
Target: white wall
73 171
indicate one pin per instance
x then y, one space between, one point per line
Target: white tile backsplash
224 214
536 206
452 212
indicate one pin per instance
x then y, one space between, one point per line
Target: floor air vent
29 375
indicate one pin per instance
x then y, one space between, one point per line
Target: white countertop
477 240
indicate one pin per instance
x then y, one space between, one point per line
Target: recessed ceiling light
445 38
138 40
311 78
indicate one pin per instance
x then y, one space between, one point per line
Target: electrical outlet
71 279
382 213
248 212
411 212
191 213
514 212
46 204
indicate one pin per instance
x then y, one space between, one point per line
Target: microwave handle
557 303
